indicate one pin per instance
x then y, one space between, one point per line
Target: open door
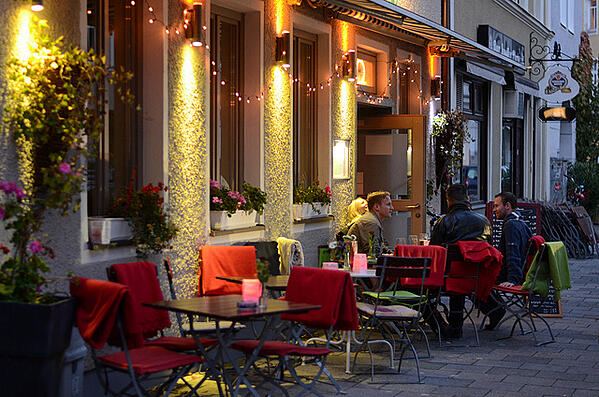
391 157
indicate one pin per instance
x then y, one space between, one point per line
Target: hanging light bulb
37 5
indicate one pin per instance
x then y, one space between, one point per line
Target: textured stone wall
343 123
278 134
188 101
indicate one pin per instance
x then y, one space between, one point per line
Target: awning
486 72
522 84
384 13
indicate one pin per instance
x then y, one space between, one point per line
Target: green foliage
144 210
312 194
587 175
263 270
224 199
586 104
450 132
55 105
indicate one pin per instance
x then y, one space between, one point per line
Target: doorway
390 157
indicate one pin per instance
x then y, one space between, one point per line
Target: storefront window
512 142
226 126
305 131
114 29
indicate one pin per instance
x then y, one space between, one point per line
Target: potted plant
148 219
230 209
54 108
450 132
311 201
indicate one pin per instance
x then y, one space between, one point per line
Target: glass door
391 158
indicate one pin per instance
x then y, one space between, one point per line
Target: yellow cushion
393 311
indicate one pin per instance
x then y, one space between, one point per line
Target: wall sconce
436 87
340 159
37 5
348 65
193 25
282 49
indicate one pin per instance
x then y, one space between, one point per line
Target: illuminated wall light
348 65
282 49
193 25
340 158
37 5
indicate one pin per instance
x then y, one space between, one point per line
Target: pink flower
35 247
20 194
242 199
216 200
214 184
65 168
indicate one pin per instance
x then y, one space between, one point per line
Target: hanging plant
450 132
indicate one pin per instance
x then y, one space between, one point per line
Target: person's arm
437 235
513 259
362 232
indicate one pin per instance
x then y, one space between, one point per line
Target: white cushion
393 311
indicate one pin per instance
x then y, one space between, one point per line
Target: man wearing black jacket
459 224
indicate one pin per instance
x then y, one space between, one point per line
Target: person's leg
431 315
456 316
493 308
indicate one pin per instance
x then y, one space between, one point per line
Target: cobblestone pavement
510 367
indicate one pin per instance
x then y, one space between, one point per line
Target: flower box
220 220
108 230
310 210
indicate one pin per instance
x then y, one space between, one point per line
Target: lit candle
360 263
251 290
330 265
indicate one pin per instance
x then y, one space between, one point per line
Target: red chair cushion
98 304
438 257
279 348
149 360
143 285
180 344
516 289
219 260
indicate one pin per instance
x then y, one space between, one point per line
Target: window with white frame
591 16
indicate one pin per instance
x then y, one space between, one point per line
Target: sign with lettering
558 85
547 307
530 213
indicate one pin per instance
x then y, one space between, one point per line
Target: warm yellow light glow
277 155
558 112
340 159
280 10
188 165
21 48
37 7
345 36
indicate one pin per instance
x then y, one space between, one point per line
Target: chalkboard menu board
548 307
530 213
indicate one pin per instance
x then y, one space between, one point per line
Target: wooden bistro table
224 308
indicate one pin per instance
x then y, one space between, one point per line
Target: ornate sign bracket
540 54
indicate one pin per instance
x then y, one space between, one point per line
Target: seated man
379 209
512 244
459 224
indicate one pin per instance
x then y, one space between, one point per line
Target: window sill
216 233
104 253
313 220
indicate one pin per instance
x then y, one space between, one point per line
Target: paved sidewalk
506 368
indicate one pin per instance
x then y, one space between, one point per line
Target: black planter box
33 339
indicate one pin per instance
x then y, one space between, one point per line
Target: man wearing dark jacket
512 244
459 224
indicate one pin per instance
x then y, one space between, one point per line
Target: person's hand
506 284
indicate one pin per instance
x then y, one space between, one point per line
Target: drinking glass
401 241
413 239
423 238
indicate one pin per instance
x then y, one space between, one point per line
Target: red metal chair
516 301
106 313
331 289
142 280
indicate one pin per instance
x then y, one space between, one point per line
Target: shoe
495 318
453 332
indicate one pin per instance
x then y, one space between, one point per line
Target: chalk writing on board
530 214
547 307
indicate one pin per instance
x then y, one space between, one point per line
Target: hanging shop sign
500 43
557 85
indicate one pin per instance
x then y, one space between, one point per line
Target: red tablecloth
438 255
